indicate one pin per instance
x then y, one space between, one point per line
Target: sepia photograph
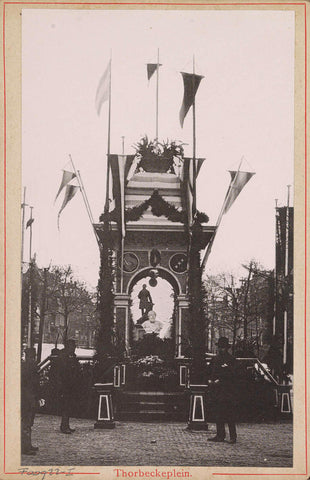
159 175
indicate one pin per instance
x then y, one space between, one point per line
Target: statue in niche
146 302
152 325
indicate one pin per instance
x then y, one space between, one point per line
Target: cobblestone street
133 443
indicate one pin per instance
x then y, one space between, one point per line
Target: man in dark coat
223 393
30 399
146 302
68 372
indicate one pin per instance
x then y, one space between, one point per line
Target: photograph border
11 198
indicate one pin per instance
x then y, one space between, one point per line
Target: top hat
223 342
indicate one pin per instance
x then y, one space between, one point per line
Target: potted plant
158 157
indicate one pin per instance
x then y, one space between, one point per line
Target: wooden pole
42 316
30 241
194 143
286 275
157 91
123 144
219 219
275 289
30 308
85 199
106 207
23 229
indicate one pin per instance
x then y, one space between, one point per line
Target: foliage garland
159 206
104 337
197 325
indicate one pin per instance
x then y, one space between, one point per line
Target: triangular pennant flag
151 68
70 192
199 162
66 178
191 83
238 181
30 222
103 90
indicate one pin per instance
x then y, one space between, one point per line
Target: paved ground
131 443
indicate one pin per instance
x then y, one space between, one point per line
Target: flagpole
30 242
106 207
81 188
157 90
23 228
123 144
86 203
122 261
194 143
219 219
275 288
286 275
85 196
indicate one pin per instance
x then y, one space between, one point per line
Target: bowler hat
223 342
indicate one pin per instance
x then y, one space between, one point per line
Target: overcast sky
244 107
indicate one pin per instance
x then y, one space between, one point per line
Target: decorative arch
163 272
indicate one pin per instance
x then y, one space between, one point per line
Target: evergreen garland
159 207
197 324
104 337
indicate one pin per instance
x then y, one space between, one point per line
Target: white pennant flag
103 90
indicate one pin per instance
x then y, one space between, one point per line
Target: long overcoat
68 374
223 388
30 390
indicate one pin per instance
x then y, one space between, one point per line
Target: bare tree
239 308
66 296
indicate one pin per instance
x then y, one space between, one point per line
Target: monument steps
151 406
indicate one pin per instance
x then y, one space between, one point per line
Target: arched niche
163 273
164 302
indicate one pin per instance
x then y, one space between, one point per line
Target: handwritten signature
44 473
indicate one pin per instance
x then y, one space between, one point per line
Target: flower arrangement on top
149 361
158 157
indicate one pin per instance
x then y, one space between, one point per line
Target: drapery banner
191 83
120 166
187 185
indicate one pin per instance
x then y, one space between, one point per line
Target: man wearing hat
30 399
68 370
222 389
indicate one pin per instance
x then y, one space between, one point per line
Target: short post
285 404
197 409
105 416
183 375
